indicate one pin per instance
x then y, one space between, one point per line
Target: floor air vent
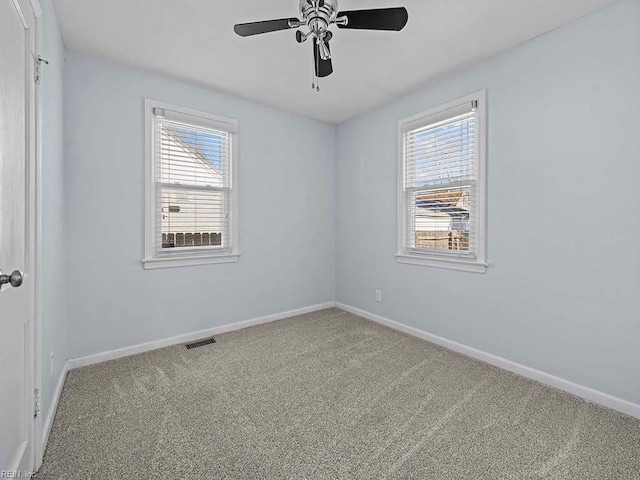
200 343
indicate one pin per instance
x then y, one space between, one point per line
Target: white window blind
192 186
440 190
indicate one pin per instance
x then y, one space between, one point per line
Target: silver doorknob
15 279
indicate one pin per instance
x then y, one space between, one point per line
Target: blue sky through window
209 145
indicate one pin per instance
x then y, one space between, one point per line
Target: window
442 186
191 170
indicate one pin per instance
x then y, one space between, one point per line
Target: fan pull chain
317 69
315 85
313 77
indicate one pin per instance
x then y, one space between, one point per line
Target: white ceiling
194 40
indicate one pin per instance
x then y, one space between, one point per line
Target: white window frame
478 264
153 258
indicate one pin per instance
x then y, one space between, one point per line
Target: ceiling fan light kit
318 16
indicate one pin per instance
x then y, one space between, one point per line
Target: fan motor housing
318 18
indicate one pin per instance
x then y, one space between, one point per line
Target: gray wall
562 292
53 287
287 172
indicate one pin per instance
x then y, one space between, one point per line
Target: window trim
152 258
478 264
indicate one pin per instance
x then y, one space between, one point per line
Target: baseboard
189 337
51 414
589 394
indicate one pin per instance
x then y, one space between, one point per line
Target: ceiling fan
318 16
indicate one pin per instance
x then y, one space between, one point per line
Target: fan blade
324 68
255 28
376 19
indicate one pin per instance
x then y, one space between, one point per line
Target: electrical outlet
51 366
378 296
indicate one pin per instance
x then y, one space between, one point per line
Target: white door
16 237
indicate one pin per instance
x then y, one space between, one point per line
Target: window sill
188 261
440 262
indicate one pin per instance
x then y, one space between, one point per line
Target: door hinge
36 403
38 71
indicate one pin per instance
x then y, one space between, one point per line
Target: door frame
35 181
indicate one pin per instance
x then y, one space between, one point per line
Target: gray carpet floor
327 395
